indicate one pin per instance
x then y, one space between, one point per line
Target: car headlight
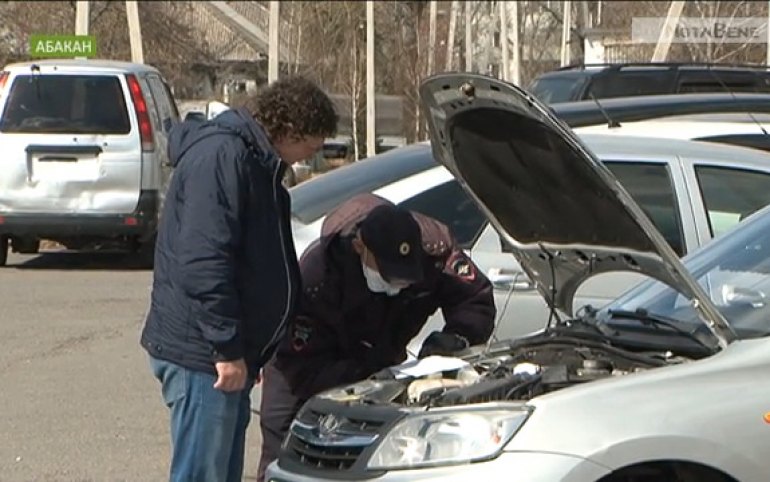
448 437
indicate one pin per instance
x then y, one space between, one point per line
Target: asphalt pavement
77 399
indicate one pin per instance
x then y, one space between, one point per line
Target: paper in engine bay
427 366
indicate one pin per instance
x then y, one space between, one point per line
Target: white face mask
377 283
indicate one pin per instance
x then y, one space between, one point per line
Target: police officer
370 283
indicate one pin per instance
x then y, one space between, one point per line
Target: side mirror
737 296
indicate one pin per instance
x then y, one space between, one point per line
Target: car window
716 86
171 99
73 104
715 80
557 89
651 187
163 102
731 194
314 198
451 205
626 84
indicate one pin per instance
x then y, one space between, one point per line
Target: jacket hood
563 214
237 122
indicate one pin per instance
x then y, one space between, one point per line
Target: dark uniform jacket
344 332
226 276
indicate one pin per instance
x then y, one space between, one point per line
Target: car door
655 183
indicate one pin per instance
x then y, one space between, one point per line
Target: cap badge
404 248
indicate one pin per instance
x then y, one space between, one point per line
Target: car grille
335 443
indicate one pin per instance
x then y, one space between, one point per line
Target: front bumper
508 467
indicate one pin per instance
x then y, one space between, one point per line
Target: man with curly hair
226 277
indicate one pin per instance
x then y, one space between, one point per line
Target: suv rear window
72 104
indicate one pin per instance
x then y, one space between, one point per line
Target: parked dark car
625 80
729 118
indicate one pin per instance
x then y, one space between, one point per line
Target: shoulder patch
460 266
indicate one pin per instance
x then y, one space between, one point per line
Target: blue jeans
208 426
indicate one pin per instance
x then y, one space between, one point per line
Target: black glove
440 343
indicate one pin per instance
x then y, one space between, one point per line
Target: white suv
84 153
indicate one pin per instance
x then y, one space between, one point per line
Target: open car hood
563 213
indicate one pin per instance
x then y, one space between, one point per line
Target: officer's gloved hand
440 343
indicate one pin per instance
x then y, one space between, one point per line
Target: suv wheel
3 250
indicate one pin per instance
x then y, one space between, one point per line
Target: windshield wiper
587 316
652 319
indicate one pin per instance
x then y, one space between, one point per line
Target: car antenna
732 94
610 122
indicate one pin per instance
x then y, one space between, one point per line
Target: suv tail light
3 80
142 114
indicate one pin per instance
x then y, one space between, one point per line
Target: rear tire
3 250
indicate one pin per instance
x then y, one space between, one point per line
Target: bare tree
169 44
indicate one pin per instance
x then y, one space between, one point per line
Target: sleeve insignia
462 267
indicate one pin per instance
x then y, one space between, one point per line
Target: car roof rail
632 109
671 65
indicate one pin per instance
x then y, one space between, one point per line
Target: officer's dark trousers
277 410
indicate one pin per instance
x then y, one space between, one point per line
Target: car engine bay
518 372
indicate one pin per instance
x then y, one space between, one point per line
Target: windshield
557 89
313 199
733 269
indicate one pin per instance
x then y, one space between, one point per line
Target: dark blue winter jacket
226 272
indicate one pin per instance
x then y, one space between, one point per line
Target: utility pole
586 16
431 36
81 17
504 39
450 43
566 32
371 136
767 62
516 76
273 42
134 31
468 38
667 33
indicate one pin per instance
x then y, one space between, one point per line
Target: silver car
84 154
664 383
692 191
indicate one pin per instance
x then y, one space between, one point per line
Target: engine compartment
517 372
